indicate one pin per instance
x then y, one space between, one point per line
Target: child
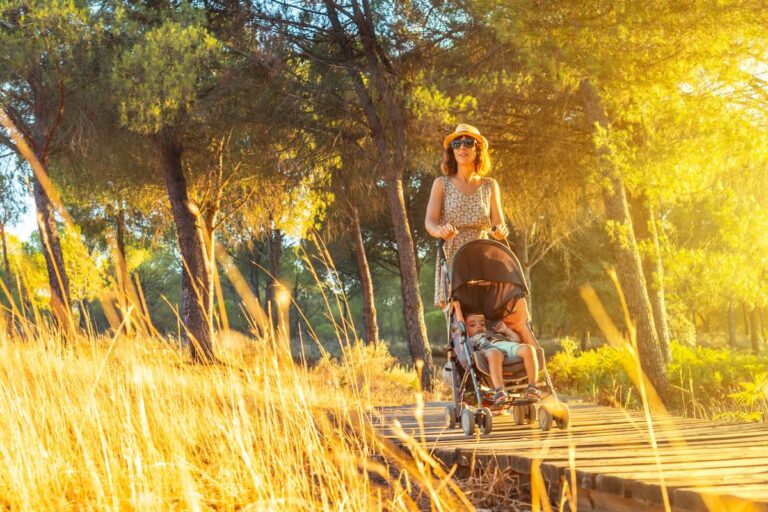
497 350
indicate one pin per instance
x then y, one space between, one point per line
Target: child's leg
527 354
518 322
495 361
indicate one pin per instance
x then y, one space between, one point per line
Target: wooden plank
645 486
595 501
735 442
611 455
638 466
701 461
650 497
725 441
587 476
742 498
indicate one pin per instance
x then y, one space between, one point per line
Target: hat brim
482 140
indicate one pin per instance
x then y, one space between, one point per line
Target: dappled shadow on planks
705 465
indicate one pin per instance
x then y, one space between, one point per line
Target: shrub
598 374
704 382
372 373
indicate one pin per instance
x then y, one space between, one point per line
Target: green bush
704 382
716 383
598 374
436 327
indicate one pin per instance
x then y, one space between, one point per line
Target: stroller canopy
486 278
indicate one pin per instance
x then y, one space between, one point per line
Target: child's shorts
509 349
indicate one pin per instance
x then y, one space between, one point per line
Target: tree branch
5 141
540 255
15 118
60 107
236 208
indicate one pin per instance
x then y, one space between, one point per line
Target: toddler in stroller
500 346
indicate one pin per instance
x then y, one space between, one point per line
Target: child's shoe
500 397
533 393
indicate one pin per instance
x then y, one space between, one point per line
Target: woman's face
464 150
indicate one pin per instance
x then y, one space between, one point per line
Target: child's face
475 324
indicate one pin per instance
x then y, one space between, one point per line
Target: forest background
294 144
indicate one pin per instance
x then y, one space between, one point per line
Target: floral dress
471 215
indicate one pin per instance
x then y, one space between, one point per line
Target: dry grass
494 489
130 424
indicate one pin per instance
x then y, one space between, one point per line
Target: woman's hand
499 231
502 328
446 231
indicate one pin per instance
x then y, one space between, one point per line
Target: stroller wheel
545 419
519 414
451 416
485 418
531 416
563 418
468 424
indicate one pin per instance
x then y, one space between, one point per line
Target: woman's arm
499 229
432 220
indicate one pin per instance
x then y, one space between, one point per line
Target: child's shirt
485 340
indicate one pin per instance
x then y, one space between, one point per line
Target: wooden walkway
704 465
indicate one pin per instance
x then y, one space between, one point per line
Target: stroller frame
510 288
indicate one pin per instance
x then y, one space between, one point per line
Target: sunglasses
467 143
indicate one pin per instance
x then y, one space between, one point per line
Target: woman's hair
482 161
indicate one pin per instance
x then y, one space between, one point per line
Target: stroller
485 277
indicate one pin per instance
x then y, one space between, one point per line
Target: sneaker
533 392
500 397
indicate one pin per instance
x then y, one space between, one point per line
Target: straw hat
466 129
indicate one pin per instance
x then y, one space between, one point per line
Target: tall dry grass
131 424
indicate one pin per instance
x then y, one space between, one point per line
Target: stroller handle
493 230
441 245
441 250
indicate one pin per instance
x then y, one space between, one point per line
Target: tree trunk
586 341
520 243
413 309
644 222
9 330
412 231
124 298
210 223
753 336
387 122
197 297
6 264
42 134
275 253
253 265
294 314
731 324
58 280
695 323
745 318
369 306
82 306
257 280
629 267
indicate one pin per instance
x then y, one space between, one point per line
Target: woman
464 206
